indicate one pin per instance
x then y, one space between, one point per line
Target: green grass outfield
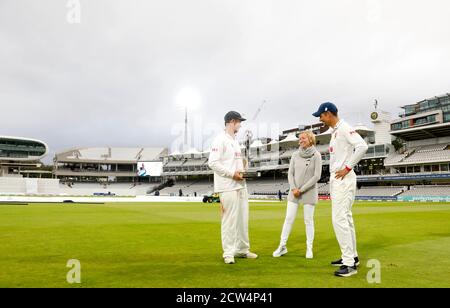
178 245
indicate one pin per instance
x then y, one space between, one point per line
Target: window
431 118
410 109
445 100
435 168
398 126
427 168
420 121
370 151
423 105
447 117
444 167
432 103
379 150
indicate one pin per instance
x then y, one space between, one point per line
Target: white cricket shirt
347 147
225 159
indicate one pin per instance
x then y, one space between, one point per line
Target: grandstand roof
192 151
119 155
274 141
257 144
291 137
424 132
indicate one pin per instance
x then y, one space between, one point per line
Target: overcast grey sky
113 78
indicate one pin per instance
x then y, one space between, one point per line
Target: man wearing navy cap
227 163
347 148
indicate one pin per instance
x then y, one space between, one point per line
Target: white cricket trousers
291 214
342 197
235 239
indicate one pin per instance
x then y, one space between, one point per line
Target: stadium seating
113 154
428 191
9 185
118 189
287 154
48 186
372 191
376 191
323 188
421 154
432 153
267 187
189 188
28 186
266 156
175 163
195 162
394 158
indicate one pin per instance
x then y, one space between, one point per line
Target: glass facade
16 148
431 104
377 151
415 122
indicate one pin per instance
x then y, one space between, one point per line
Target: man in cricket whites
346 150
227 163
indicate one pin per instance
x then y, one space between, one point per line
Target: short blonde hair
310 135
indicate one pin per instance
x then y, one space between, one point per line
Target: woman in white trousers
305 170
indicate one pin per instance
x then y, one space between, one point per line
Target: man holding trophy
229 169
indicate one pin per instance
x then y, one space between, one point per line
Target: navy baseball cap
233 115
324 108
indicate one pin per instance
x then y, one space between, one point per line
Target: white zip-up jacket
347 147
225 159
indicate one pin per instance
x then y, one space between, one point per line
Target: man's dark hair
228 122
333 113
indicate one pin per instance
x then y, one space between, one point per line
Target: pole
185 128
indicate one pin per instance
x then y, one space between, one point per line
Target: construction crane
258 111
249 134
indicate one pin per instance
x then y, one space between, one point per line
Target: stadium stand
30 186
419 155
287 154
267 156
433 153
428 191
118 189
195 162
394 158
323 188
189 188
376 191
267 187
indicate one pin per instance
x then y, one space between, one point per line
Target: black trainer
339 262
346 271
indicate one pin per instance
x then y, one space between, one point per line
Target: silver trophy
248 174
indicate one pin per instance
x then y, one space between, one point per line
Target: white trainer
229 260
309 254
248 255
281 251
